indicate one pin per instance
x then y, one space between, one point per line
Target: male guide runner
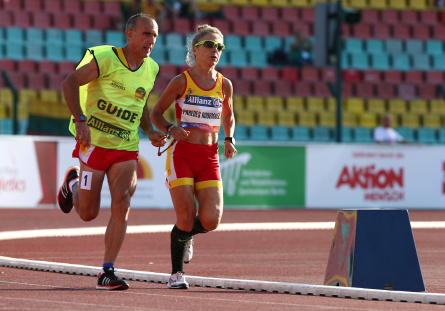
107 96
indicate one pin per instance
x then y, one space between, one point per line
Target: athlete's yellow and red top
198 107
114 102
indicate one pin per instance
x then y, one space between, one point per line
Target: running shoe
189 253
109 281
65 196
177 281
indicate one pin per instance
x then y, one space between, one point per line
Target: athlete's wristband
169 128
81 118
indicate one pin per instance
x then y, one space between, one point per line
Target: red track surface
286 256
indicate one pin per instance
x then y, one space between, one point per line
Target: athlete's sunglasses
212 44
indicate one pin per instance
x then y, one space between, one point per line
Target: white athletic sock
72 183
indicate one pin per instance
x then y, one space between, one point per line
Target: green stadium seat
394 46
174 41
238 58
421 62
233 43
93 38
439 62
407 133
54 36
240 133
414 47
441 138
114 38
380 61
401 62
253 43
158 55
354 46
280 133
434 47
15 35
73 37
258 59
271 43
374 46
54 53
176 57
426 135
359 61
258 133
321 134
34 51
362 135
34 35
300 133
74 53
14 50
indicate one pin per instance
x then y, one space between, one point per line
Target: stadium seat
421 32
362 135
290 74
36 81
380 61
26 65
328 74
6 19
385 91
254 103
427 91
72 6
374 46
241 132
241 28
362 31
22 19
321 134
365 90
315 104
242 87
347 90
269 73
112 8
360 61
281 29
406 91
238 103
174 41
414 77
274 103
414 46
82 21
410 120
176 57
266 118
434 77
233 43
286 118
229 72
34 35
14 51
238 58
94 38
7 65
438 32
290 14
260 28
182 26
356 105
250 13
303 89
441 135
371 76
407 133
429 17
392 76
401 62
52 6
431 121
367 119
434 47
306 119
390 17
259 133
253 43
401 32
354 46
223 25
327 119
421 62
321 89
62 21
439 62
370 16
376 105
41 20
280 133
271 43
283 88
230 12
437 106
46 66
114 38
18 79
262 88
74 54
296 104
394 46
54 53
14 35
73 37
418 106
92 7
158 55
381 31
426 136
300 133
310 74
54 36
258 59
34 51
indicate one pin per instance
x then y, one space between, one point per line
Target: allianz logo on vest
113 109
119 85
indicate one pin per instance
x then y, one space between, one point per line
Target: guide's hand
83 134
158 139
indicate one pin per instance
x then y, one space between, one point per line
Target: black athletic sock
178 248
197 227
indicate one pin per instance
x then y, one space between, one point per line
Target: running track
291 256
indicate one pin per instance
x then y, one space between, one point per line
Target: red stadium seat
438 32
66 67
390 17
429 17
321 89
347 89
371 76
182 26
223 25
262 88
289 14
242 87
385 91
434 77
290 74
249 73
269 73
7 65
401 32
307 15
112 8
250 13
230 12
12 6
229 72
421 32
347 32
362 31
414 77
41 20
22 19
364 90
55 81
409 17
240 28
52 6
328 74
167 71
183 68
5 19
102 22
74 6
442 17
269 14
428 91
283 88
36 81
406 91
82 21
32 5
92 7
160 85
303 89
381 31
26 65
310 74
62 20
351 75
18 79
305 28
260 28
392 76
281 29
370 17
47 66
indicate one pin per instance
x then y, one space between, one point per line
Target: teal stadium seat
74 53
114 38
374 46
346 134
426 135
258 59
272 43
345 60
2 51
176 57
55 53
93 38
321 134
421 62
288 42
15 35
394 46
253 43
258 133
414 46
280 133
354 46
34 35
54 36
2 36
240 133
360 61
174 41
441 135
362 135
238 58
6 126
300 133
34 51
223 59
23 127
401 62
233 43
407 134
14 50
439 62
160 41
380 61
434 47
74 37
158 55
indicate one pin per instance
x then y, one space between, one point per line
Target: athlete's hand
158 139
229 149
178 133
83 134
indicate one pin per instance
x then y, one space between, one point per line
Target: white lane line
26 234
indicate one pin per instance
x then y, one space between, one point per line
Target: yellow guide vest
113 103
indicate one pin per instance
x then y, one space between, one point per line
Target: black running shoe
109 281
65 196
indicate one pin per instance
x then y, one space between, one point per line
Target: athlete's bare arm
70 87
228 119
157 138
173 91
